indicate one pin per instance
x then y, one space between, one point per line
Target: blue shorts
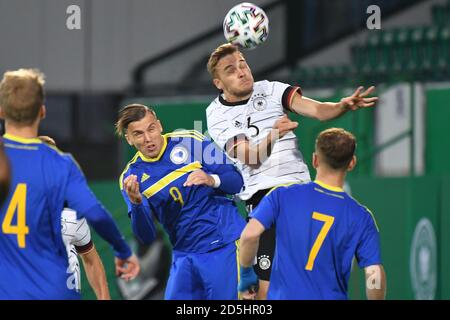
204 276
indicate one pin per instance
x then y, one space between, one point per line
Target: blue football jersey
319 229
197 218
33 260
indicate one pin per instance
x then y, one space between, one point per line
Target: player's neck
334 179
27 132
228 97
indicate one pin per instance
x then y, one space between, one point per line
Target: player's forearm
95 273
142 224
255 155
105 226
375 282
248 247
330 110
319 110
231 181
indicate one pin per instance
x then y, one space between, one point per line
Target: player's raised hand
199 177
284 125
127 269
359 99
131 186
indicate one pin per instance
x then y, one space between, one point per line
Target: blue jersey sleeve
267 210
127 201
368 249
78 195
141 217
81 199
216 162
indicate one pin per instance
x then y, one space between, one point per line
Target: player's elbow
238 183
144 236
249 235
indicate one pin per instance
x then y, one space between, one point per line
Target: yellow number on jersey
320 238
18 202
176 195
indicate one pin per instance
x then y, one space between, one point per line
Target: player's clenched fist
284 125
131 187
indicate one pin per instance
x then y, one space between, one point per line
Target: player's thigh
219 271
183 283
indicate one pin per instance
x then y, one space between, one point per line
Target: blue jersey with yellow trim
319 229
197 218
33 259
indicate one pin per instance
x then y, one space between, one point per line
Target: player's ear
128 139
352 164
315 160
160 126
218 83
43 112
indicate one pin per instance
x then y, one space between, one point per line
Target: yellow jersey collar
164 146
327 186
21 140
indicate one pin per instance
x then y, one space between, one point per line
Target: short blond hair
220 52
22 95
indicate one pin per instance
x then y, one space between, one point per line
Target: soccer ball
246 25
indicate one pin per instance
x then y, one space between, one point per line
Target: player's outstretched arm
330 110
375 282
95 273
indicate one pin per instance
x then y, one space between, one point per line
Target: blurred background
155 52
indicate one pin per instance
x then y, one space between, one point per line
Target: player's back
33 262
319 231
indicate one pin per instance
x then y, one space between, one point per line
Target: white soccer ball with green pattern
246 25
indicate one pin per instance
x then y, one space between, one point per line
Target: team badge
264 262
179 155
260 103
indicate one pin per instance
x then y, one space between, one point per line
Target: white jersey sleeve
75 231
284 93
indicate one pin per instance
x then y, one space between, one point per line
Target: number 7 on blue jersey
328 220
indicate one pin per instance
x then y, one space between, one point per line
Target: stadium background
155 52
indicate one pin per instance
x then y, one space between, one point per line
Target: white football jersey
253 119
75 233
